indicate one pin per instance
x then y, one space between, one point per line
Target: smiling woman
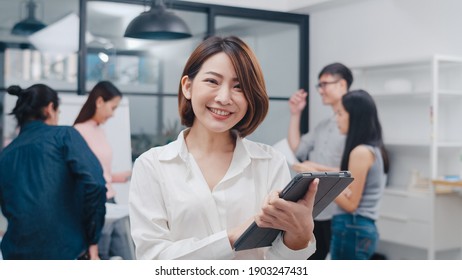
192 198
218 92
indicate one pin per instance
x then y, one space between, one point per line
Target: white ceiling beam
271 5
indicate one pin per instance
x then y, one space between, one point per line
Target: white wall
371 31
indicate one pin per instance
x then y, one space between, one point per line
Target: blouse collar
244 149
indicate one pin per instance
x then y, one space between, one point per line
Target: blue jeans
354 237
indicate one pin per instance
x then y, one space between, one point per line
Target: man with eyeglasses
321 148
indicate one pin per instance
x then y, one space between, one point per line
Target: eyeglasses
324 84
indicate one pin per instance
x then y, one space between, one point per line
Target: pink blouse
96 139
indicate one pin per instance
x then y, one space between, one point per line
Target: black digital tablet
331 184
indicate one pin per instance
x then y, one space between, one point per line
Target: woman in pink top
101 103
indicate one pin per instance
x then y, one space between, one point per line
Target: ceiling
50 11
272 5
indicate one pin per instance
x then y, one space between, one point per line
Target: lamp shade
30 24
157 24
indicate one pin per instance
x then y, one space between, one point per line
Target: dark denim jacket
52 192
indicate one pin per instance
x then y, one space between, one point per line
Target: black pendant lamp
157 24
30 24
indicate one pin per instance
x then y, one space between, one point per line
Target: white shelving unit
420 108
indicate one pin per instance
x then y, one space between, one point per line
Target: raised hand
297 102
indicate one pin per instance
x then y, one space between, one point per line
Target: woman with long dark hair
321 148
51 185
354 234
100 105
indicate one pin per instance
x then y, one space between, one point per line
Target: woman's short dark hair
364 125
32 102
340 70
104 89
249 75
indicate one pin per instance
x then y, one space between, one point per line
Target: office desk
446 186
115 212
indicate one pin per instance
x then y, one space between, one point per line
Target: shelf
417 94
443 187
420 144
405 192
447 183
406 143
448 58
449 144
388 94
419 105
409 62
421 61
450 93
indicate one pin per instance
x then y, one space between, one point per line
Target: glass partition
47 56
277 47
146 71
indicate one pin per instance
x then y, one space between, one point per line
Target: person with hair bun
193 198
52 191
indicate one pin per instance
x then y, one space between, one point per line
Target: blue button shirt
52 192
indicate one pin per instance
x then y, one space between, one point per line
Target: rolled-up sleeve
279 251
89 175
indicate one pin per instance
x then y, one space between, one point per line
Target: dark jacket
52 192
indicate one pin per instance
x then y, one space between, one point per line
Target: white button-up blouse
175 215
